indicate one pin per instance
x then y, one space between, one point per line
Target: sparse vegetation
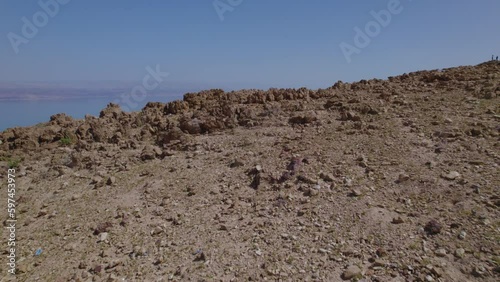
12 162
66 141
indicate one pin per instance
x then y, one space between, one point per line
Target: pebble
157 230
397 220
23 268
403 177
424 246
137 213
462 235
433 227
379 262
95 180
327 177
452 175
42 212
103 236
111 180
111 278
429 278
460 252
437 272
307 179
139 251
476 188
106 253
352 271
356 192
479 271
236 163
440 252
347 182
312 192
430 164
381 252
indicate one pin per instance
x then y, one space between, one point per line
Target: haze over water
32 112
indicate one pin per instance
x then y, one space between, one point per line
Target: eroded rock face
176 107
61 119
51 133
303 119
150 152
215 110
190 125
112 110
174 134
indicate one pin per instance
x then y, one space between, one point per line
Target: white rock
462 235
460 253
440 252
352 271
452 175
103 236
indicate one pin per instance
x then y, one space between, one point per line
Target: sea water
29 113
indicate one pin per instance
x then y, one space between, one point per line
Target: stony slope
379 180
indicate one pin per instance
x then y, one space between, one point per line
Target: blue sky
258 44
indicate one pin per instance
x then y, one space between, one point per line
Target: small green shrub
65 141
11 162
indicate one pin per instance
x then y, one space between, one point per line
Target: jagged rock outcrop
214 110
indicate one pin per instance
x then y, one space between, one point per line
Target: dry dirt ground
379 180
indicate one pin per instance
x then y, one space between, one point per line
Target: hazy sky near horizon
257 43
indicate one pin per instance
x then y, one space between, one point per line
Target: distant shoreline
65 98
